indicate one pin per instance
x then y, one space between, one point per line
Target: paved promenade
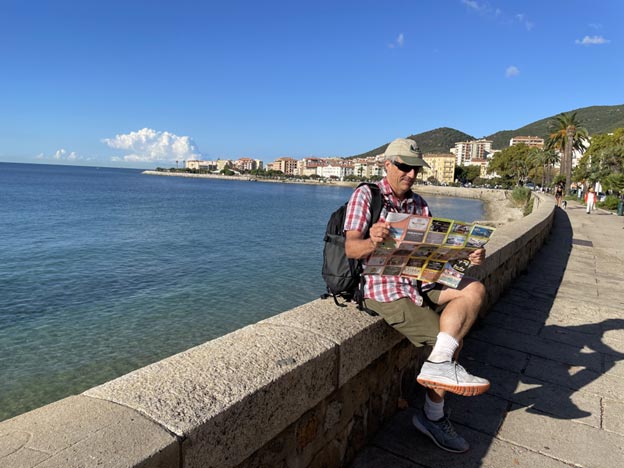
553 348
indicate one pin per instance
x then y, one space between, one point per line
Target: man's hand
358 247
477 257
379 232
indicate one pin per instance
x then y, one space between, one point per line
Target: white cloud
491 13
524 20
147 145
399 41
512 71
593 40
63 155
472 4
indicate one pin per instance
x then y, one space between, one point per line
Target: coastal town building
286 165
200 165
368 168
466 151
309 166
531 141
483 166
336 169
442 168
223 163
246 164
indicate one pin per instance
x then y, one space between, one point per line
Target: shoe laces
459 369
447 427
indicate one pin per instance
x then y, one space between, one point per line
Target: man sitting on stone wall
398 301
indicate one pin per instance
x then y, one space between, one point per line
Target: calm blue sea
106 270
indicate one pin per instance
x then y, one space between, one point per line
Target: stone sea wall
305 388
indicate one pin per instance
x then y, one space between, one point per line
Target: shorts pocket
395 318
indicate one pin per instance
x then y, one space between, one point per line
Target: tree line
602 160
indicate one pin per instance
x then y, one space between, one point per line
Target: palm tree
545 159
567 135
550 159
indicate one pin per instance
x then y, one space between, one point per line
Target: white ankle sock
434 411
444 348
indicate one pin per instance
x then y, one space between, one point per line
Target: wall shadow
535 364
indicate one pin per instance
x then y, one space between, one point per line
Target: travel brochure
427 249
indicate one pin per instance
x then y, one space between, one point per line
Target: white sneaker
452 377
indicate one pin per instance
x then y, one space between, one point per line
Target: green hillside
596 119
440 140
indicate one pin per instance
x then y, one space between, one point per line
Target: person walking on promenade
590 200
558 193
432 315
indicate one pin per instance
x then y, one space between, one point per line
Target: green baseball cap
407 150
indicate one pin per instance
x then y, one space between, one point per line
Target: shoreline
499 210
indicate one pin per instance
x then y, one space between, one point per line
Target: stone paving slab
540 347
509 321
553 348
405 443
498 356
576 377
563 439
614 416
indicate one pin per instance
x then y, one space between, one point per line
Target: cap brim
414 161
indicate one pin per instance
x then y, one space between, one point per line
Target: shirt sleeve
357 217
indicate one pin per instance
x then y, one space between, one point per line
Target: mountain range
596 119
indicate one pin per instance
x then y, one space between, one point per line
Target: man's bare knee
475 292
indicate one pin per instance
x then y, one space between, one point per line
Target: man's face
400 178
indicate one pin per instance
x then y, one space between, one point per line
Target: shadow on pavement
534 359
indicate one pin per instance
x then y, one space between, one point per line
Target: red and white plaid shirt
358 217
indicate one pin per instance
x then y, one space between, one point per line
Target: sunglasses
405 167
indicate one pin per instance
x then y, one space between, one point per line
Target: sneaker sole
463 390
424 431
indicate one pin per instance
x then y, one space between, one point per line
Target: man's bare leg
441 372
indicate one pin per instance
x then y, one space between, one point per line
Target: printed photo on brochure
427 249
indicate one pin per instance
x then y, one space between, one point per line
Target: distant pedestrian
590 200
558 193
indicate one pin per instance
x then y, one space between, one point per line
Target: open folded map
427 249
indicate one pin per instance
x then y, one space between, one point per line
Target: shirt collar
386 189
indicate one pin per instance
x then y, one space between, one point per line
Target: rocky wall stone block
232 395
78 431
361 338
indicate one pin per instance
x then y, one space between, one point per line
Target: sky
144 83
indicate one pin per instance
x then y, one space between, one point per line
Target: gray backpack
343 276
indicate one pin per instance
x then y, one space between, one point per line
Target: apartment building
198 164
286 165
483 165
531 141
223 163
309 166
442 167
368 168
466 151
246 164
336 169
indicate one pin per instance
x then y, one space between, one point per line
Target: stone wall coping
79 431
215 404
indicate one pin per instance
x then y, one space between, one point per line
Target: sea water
106 270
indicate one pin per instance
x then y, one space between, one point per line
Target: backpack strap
375 206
